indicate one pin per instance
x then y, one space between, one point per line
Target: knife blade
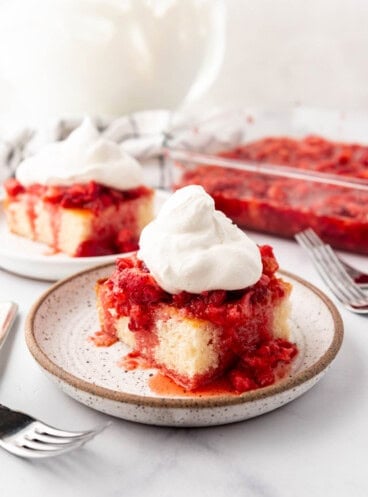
8 311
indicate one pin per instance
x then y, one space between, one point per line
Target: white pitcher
106 57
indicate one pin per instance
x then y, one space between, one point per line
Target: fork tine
25 441
313 237
43 429
303 241
314 240
334 272
341 271
307 240
28 452
321 267
330 278
64 440
339 293
340 276
52 439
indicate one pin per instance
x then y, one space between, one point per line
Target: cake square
81 220
200 300
83 196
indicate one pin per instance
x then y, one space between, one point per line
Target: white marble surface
315 445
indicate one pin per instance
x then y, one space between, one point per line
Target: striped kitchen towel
143 134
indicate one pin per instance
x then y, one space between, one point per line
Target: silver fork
335 275
314 240
26 436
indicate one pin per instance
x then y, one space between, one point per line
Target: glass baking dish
286 172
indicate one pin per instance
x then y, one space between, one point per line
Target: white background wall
280 52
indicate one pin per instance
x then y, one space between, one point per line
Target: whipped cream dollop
84 156
193 247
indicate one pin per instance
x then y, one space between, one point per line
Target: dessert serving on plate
200 300
83 196
331 196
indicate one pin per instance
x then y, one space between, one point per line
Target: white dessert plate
62 320
34 260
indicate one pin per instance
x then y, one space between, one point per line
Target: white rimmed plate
34 260
60 322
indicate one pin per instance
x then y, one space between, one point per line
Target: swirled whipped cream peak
84 156
193 247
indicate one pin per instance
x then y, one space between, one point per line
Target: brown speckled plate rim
281 386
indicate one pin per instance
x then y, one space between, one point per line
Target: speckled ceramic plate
34 260
60 322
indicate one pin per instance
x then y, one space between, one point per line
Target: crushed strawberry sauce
91 195
163 385
251 356
102 339
132 361
284 206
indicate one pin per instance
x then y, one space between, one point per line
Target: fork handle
11 421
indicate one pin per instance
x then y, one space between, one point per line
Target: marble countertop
316 445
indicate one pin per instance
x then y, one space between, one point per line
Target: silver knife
8 311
